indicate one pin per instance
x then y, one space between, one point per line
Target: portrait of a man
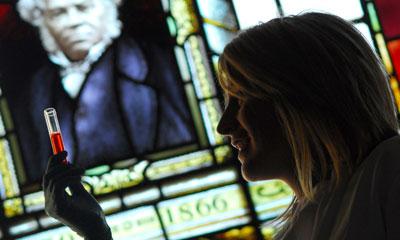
117 96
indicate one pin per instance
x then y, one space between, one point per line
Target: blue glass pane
217 10
217 37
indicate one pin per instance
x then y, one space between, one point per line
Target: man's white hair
32 12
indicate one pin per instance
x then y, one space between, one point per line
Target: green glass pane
199 182
97 170
34 201
373 17
270 198
140 223
208 211
180 164
171 26
115 179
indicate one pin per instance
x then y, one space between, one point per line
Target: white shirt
368 207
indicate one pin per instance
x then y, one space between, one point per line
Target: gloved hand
80 211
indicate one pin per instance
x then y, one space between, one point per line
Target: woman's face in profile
254 130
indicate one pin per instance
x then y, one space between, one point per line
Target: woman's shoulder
387 154
382 165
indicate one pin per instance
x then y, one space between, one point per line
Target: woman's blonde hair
330 92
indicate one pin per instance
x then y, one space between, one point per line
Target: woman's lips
240 144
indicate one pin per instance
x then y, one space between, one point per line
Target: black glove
79 211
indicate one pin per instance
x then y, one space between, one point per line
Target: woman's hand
79 210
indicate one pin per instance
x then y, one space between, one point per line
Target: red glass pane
4 10
389 14
394 49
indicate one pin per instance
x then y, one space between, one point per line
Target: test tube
57 144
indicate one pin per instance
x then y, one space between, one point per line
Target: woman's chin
249 174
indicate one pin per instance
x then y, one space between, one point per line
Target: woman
307 102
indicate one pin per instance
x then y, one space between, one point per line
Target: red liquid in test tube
53 127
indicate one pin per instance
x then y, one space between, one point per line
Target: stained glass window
176 190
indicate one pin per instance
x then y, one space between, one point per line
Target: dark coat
131 103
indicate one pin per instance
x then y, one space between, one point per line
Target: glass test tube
53 127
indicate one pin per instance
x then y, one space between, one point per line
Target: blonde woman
308 102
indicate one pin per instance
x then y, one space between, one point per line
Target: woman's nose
226 124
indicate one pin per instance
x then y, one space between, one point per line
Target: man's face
76 25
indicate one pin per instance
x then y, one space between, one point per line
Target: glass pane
165 4
347 9
180 164
217 10
140 223
394 49
198 182
223 153
244 233
364 29
110 204
270 198
34 201
141 196
8 179
388 11
204 212
171 26
211 112
23 227
13 207
199 67
373 17
217 37
252 12
394 84
54 234
193 103
116 179
2 129
185 18
268 230
384 52
46 221
182 63
5 114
